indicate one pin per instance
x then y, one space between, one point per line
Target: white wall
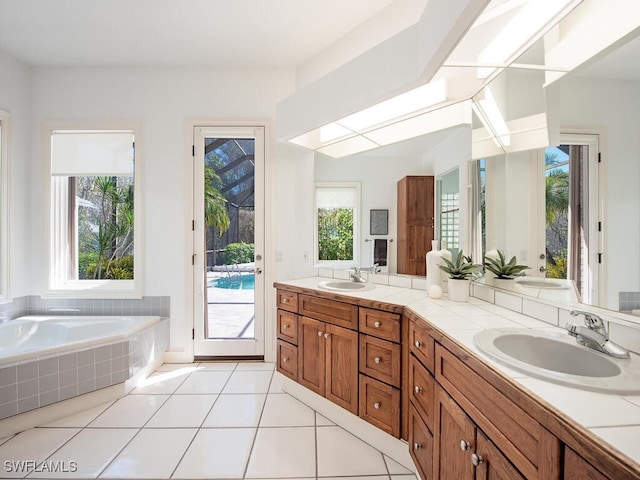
162 100
15 79
610 107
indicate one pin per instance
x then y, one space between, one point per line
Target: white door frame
225 347
596 209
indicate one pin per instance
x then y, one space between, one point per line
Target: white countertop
613 418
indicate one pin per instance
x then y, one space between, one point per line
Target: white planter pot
459 290
504 283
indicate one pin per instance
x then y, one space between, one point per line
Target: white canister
434 273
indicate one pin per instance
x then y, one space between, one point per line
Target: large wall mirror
5 137
552 200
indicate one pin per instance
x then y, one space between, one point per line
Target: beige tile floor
223 420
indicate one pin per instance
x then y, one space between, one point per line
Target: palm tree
557 202
215 205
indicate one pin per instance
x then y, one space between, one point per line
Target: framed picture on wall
379 222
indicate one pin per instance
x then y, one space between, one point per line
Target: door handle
257 271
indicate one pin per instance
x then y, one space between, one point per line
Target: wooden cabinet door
342 367
454 439
420 444
493 465
311 354
577 468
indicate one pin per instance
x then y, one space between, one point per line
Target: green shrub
335 234
238 253
120 268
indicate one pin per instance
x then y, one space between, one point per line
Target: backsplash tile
510 302
36 305
628 337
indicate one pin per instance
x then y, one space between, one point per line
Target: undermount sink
541 283
557 358
345 286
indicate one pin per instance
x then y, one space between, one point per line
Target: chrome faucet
594 335
356 275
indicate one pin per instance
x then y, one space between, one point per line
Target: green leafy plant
238 253
503 269
461 268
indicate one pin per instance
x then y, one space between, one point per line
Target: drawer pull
377 360
327 335
418 344
476 459
319 334
377 405
417 389
285 359
285 300
285 326
416 446
377 324
464 445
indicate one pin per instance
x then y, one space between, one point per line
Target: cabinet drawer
531 448
287 300
337 313
421 390
288 360
422 344
288 326
380 405
420 444
380 359
380 324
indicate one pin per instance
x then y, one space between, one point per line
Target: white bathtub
38 336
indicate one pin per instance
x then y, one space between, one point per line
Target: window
337 223
94 212
5 126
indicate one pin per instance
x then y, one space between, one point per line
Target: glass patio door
228 242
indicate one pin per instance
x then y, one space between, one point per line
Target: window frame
59 283
5 196
338 264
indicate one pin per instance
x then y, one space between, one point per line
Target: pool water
234 282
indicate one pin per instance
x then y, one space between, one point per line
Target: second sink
345 286
557 358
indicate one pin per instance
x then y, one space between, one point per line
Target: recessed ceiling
223 33
622 63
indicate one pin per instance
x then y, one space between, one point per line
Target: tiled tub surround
36 305
33 380
613 419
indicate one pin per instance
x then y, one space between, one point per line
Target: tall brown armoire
415 223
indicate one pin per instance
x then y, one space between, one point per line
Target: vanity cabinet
478 432
577 468
328 362
415 223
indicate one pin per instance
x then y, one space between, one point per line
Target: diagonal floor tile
80 419
248 382
236 411
204 381
130 411
217 453
162 382
340 453
395 468
91 451
33 445
283 453
153 453
182 411
281 410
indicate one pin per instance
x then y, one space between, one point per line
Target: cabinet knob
476 459
464 445
377 405
417 389
285 359
416 446
285 326
285 300
319 334
418 344
377 360
377 324
327 335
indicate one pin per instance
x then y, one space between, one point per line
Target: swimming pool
245 281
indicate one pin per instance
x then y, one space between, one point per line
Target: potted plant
503 270
460 270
